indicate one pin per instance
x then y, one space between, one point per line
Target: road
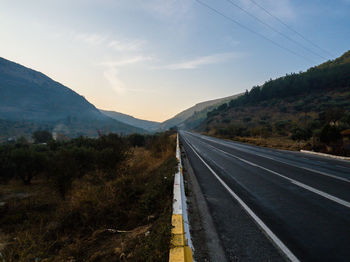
273 205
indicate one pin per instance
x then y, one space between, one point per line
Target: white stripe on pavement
262 225
314 190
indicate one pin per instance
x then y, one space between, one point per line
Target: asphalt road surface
273 205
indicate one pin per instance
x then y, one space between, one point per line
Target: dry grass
123 218
274 142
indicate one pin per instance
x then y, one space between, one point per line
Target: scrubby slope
312 106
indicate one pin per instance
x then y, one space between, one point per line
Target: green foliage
330 133
311 106
137 140
233 131
300 134
80 219
247 119
329 76
222 107
27 163
42 136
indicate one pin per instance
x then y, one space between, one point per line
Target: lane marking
281 161
312 189
262 225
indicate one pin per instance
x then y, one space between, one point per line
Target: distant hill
195 113
188 118
32 98
311 106
127 119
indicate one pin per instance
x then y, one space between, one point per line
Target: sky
154 58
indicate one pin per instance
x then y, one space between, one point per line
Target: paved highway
273 205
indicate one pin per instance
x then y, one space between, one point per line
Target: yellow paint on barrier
179 251
177 254
180 254
188 254
178 224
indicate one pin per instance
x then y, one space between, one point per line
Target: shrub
300 134
42 136
330 133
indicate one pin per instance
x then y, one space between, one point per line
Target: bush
137 140
301 134
42 136
105 213
330 134
27 163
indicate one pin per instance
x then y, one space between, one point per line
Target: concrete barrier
181 244
326 155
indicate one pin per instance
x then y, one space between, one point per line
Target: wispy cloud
112 76
168 8
127 52
118 44
127 45
204 60
91 38
112 70
126 61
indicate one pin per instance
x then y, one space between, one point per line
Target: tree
300 134
42 136
27 163
137 140
63 170
330 133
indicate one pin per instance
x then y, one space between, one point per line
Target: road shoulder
205 239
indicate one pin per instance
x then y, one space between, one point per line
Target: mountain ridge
184 115
33 98
128 119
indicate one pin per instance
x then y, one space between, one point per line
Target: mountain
311 106
195 113
188 118
33 99
151 126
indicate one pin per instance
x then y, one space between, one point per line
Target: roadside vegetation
309 110
104 199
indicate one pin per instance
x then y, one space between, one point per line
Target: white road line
314 190
262 225
281 161
335 199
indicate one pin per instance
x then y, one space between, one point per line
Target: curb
181 244
326 155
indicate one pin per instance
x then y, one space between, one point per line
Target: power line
291 29
251 30
275 30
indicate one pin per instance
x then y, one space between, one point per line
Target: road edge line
285 250
324 154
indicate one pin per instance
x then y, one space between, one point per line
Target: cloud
168 8
204 60
126 61
112 69
116 44
111 75
127 45
91 38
